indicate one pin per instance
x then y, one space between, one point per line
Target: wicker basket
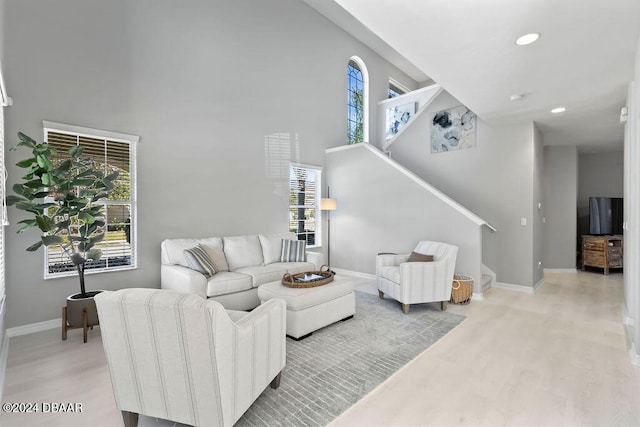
297 280
461 289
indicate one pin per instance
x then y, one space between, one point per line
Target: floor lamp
328 204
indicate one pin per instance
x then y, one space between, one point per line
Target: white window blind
114 154
304 200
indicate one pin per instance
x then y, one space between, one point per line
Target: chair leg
64 323
380 294
275 383
443 305
130 419
405 308
85 327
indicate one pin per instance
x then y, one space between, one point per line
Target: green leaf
26 162
51 240
76 151
35 246
12 200
112 176
45 223
108 185
82 182
28 224
94 254
25 141
77 259
97 238
47 179
86 217
43 161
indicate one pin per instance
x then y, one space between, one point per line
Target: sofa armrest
183 279
260 339
316 258
389 260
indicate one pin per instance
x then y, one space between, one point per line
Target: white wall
632 214
560 196
495 180
380 209
223 95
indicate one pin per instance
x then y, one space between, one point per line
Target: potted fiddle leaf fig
61 194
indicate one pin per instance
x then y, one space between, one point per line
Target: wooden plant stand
65 325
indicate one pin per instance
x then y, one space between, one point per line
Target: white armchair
180 357
418 282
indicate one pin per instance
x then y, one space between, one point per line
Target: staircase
384 207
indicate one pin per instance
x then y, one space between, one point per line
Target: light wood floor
556 358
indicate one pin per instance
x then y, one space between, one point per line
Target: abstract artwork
397 118
453 129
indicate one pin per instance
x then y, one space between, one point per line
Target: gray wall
559 207
223 95
600 174
495 180
385 211
537 233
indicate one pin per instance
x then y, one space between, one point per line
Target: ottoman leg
380 294
405 308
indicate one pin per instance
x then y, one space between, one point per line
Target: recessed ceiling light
516 97
527 39
558 110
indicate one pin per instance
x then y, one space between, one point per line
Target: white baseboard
476 296
560 270
34 327
512 287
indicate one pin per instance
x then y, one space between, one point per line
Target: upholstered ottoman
309 309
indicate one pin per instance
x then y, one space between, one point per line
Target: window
357 96
304 200
396 89
114 152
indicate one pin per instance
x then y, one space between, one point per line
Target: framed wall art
453 129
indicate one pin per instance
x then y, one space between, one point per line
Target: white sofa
243 263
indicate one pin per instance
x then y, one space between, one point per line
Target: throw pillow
198 259
416 257
293 250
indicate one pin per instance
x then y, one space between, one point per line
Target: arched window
357 100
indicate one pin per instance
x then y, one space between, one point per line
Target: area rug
335 367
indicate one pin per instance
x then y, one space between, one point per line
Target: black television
605 215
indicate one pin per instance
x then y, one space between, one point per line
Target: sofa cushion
226 282
242 251
173 249
297 267
198 259
264 273
416 257
293 251
217 256
272 245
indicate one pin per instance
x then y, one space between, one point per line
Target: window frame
397 87
317 195
365 98
132 140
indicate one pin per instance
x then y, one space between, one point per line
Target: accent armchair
183 358
418 282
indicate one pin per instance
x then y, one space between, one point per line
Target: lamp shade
327 204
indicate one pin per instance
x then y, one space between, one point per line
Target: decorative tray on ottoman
309 279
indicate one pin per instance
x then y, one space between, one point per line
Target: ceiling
583 60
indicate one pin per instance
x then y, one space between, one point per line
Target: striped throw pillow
198 259
293 250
